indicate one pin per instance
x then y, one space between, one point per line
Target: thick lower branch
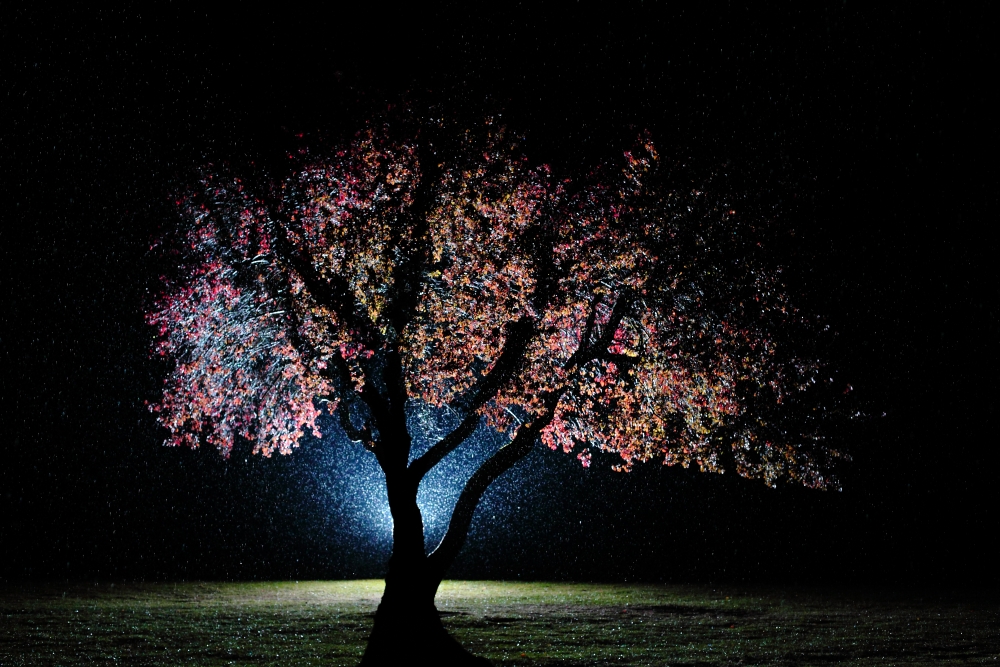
461 519
502 461
519 333
444 446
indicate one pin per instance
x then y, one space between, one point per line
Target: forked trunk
407 628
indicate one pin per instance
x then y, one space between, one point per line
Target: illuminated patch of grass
327 623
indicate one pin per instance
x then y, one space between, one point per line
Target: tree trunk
407 628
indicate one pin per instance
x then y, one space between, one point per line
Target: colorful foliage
624 309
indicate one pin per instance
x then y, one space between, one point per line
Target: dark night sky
874 129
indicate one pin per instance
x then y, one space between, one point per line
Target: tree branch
402 299
501 461
508 455
334 293
588 329
422 465
518 335
458 529
586 351
363 435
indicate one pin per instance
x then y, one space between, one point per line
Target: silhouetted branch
518 335
588 351
501 461
332 292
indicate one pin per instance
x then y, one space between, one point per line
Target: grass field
326 623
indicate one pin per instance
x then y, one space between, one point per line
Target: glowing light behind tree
408 276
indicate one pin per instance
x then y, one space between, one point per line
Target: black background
874 129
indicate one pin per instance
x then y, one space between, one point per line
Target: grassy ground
326 623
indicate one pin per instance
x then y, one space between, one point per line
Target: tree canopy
625 311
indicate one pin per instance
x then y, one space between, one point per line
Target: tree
625 314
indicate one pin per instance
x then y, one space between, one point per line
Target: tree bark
407 627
